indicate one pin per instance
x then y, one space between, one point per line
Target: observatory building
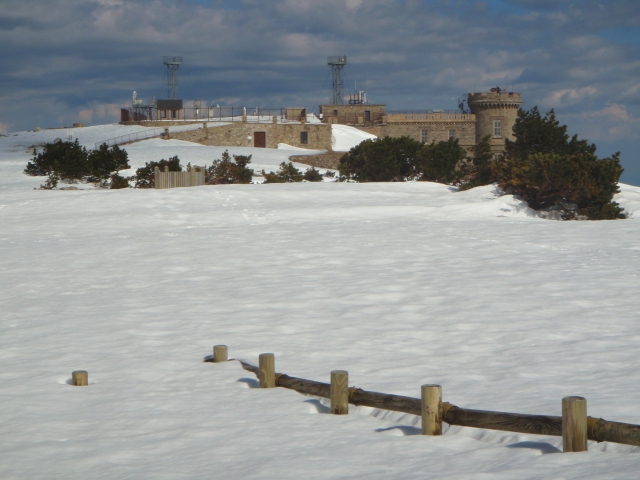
490 114
479 115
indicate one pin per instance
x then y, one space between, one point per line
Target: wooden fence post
267 367
220 353
339 392
574 424
431 410
80 378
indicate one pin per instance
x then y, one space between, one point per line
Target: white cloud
613 122
569 96
85 115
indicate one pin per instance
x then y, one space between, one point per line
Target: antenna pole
172 64
337 65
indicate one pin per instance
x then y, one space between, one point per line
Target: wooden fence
574 426
194 177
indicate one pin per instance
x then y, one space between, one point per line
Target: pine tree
553 171
287 173
387 159
477 171
438 161
312 175
226 171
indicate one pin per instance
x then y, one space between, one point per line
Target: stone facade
496 114
359 114
428 128
296 114
492 114
241 134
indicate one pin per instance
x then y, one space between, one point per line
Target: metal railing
131 137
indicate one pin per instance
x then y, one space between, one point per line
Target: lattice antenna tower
172 63
337 65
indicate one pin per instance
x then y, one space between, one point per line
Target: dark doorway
367 115
260 139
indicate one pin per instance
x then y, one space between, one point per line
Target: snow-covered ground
347 137
401 284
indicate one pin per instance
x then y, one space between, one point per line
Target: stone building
496 113
493 114
315 136
428 127
169 109
358 114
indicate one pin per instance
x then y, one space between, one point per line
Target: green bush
437 161
287 173
227 171
105 162
312 175
145 177
51 183
70 161
477 171
118 181
384 159
552 171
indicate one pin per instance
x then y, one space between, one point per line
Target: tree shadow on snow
405 429
249 382
542 446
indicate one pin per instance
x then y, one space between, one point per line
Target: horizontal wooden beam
598 429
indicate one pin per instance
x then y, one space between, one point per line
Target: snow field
400 284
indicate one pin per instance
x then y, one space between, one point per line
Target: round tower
496 114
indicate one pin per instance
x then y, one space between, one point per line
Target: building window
497 128
496 156
304 138
173 113
452 134
335 113
163 114
424 136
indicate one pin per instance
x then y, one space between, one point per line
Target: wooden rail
598 429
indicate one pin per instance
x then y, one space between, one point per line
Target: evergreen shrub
287 173
384 159
552 171
312 175
437 162
478 170
70 161
226 171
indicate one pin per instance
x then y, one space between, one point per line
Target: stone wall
242 135
352 114
465 131
296 114
326 160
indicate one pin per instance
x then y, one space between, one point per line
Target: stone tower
496 114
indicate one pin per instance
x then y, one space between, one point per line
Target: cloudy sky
66 61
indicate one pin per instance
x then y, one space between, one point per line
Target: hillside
401 284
